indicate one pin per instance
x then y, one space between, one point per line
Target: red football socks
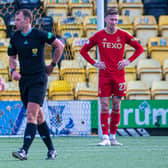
104 122
114 122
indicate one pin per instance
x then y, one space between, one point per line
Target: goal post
100 25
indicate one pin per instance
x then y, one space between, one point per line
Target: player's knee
40 120
104 104
116 106
31 117
105 107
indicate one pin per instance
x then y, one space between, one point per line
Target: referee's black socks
45 135
29 135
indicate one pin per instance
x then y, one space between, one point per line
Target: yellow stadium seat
81 8
124 22
2 24
4 78
4 61
3 70
70 26
112 3
145 27
129 52
130 71
159 90
90 25
138 90
149 70
77 44
55 72
158 48
86 91
57 9
4 55
4 43
131 8
71 33
11 91
72 71
80 59
163 25
165 69
50 79
2 33
92 74
60 90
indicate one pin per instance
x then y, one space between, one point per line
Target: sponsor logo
112 45
146 116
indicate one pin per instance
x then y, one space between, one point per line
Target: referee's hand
49 69
16 75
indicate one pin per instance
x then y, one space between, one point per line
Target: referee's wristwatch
53 64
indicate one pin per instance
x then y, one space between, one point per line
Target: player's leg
119 90
30 131
45 135
115 119
104 118
105 91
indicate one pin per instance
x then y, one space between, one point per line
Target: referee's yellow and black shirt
30 50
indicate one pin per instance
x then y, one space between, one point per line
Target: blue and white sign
63 117
69 117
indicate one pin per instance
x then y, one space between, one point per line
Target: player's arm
12 52
87 46
84 52
135 44
58 51
12 64
48 37
59 48
138 50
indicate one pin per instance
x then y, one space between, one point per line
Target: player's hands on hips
49 69
100 65
16 75
122 64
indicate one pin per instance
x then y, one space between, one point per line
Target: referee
28 44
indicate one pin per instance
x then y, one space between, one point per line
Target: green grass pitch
82 152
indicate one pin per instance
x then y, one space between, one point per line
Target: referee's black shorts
33 88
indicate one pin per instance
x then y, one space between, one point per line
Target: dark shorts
33 88
113 84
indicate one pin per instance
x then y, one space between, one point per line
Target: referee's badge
34 51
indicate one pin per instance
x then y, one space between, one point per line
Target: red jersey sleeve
135 44
92 41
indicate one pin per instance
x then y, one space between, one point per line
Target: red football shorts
113 84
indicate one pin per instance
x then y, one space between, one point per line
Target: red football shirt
111 48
